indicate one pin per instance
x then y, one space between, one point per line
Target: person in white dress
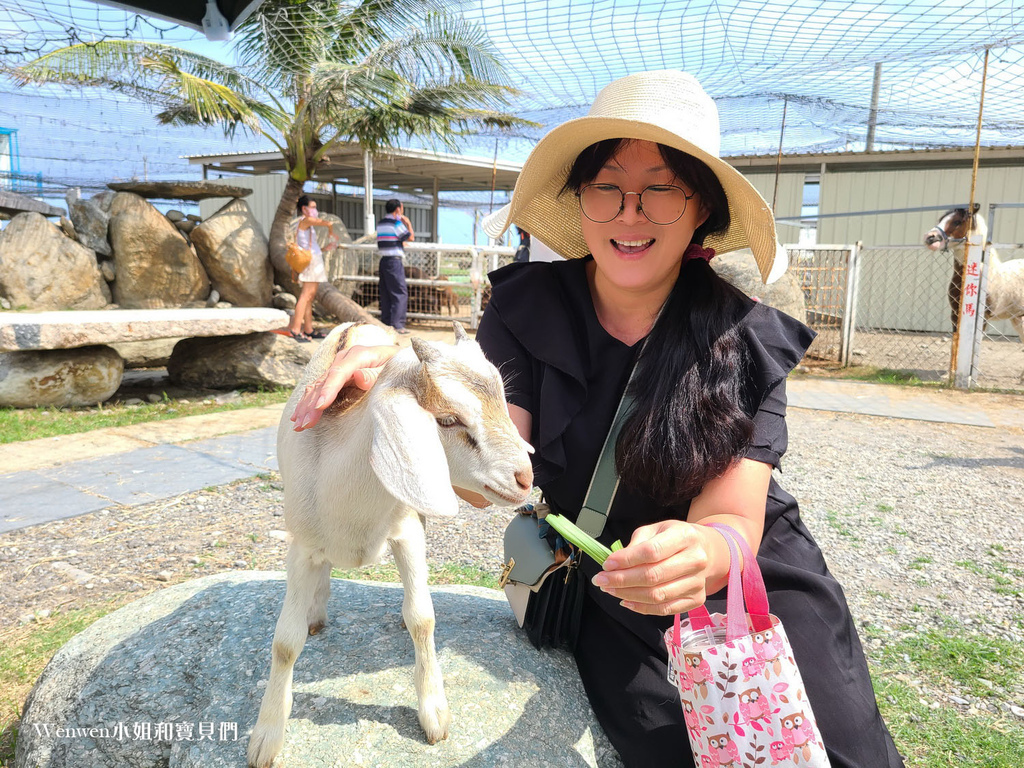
301 327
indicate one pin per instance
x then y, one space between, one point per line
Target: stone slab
62 330
30 498
11 204
189 428
892 402
147 475
256 449
62 449
198 654
179 190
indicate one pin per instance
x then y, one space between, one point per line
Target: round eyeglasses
660 203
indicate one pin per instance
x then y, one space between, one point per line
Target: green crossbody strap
605 481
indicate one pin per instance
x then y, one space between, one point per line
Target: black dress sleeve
770 434
776 343
505 352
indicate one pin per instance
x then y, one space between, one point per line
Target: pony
1004 299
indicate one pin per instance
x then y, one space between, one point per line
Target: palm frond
162 75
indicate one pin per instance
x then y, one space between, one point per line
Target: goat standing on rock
366 476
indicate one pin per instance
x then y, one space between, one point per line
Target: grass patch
888 376
24 653
446 573
961 658
940 738
918 563
946 736
17 424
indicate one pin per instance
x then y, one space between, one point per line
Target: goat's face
440 420
464 394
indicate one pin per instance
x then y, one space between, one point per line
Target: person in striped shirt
393 231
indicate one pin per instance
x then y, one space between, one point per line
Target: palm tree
309 75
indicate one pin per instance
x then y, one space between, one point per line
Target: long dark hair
690 421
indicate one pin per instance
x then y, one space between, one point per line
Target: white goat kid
365 477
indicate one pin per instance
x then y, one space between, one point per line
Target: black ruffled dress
559 363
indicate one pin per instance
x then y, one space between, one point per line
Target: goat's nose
524 477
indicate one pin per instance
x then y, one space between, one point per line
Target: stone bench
21 331
65 358
176 679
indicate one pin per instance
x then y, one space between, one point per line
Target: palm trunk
328 298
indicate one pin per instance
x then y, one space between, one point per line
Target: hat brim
541 207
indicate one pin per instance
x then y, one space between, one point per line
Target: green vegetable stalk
577 536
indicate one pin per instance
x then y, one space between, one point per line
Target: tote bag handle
746 587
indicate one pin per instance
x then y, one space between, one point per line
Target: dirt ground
926 355
122 553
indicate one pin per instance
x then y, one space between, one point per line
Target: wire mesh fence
445 282
902 310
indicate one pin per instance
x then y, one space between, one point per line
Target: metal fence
903 313
446 282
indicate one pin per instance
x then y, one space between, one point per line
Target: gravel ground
921 523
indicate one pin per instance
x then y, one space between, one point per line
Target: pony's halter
942 236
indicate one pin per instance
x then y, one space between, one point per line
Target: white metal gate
446 282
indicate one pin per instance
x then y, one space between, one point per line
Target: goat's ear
425 351
407 456
460 332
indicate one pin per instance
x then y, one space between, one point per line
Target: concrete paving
61 477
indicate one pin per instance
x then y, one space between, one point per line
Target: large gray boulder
740 269
59 377
155 266
235 253
251 361
197 656
42 268
152 353
91 221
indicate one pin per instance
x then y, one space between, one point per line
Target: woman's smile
633 247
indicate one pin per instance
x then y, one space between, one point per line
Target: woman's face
631 251
309 210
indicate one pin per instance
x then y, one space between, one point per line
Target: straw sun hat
666 107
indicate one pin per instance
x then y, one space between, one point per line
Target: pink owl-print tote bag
743 699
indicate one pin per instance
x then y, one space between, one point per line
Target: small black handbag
545 593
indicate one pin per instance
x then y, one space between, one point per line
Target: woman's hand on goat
356 365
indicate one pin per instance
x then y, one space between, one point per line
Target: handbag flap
532 553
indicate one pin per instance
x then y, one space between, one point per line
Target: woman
638 199
301 327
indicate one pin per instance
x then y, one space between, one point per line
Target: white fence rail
446 282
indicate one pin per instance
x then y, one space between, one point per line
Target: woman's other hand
663 571
356 365
672 566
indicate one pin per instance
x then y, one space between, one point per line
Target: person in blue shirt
393 231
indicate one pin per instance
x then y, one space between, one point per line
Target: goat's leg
410 551
316 618
1018 326
305 576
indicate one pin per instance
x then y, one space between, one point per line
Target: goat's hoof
435 719
264 745
317 627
